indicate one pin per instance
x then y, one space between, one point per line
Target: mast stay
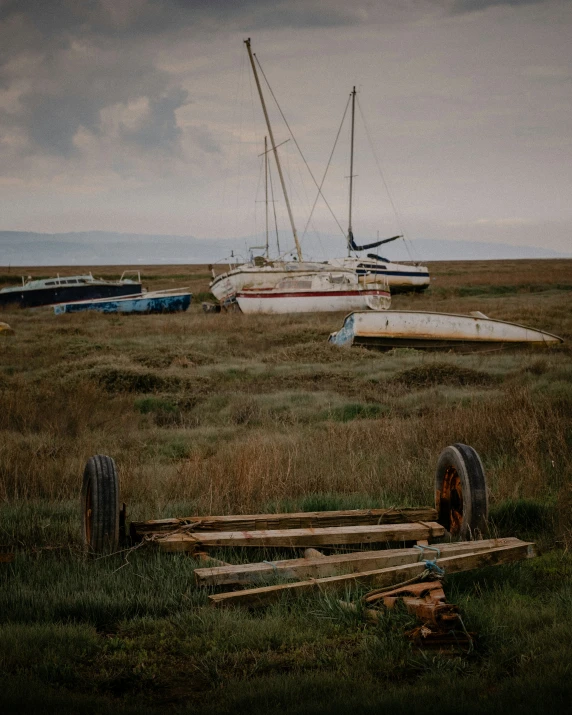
275 150
352 246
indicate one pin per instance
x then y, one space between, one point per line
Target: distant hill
19 248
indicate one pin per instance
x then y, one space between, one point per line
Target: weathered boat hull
144 303
312 301
399 277
66 294
249 277
427 330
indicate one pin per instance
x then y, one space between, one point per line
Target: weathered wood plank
313 554
303 537
301 520
323 566
378 578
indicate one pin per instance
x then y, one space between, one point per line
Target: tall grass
229 413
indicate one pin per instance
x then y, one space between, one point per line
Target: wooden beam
379 578
313 554
322 566
301 520
303 537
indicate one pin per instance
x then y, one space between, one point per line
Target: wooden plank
203 556
303 537
322 566
301 520
378 578
313 554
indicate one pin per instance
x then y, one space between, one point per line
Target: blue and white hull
157 302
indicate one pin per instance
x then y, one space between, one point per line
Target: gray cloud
139 115
158 129
462 6
76 59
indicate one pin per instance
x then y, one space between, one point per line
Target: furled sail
375 244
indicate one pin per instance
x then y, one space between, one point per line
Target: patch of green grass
204 297
323 502
442 373
525 517
129 380
39 524
499 290
148 404
357 410
49 588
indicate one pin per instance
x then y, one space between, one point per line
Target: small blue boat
169 301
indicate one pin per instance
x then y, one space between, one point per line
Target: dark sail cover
375 244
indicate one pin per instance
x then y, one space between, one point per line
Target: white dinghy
416 329
316 293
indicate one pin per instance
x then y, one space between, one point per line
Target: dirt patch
441 373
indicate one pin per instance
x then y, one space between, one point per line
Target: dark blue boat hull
34 298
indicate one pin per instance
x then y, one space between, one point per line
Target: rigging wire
273 206
256 195
297 145
239 163
233 142
393 206
327 168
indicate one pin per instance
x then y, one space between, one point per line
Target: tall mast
271 135
351 168
266 188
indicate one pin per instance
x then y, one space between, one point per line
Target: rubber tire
461 496
100 505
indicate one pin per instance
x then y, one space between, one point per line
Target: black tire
461 497
100 505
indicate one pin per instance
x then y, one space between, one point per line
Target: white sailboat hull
249 276
318 292
401 277
405 328
312 302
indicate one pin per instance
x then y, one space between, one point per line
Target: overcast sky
141 115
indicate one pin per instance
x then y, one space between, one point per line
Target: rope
376 594
432 567
270 563
423 547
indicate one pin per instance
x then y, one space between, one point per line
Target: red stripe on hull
313 294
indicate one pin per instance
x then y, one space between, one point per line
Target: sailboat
401 277
263 285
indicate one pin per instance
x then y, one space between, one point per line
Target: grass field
238 414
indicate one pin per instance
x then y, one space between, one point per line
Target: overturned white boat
416 329
316 293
